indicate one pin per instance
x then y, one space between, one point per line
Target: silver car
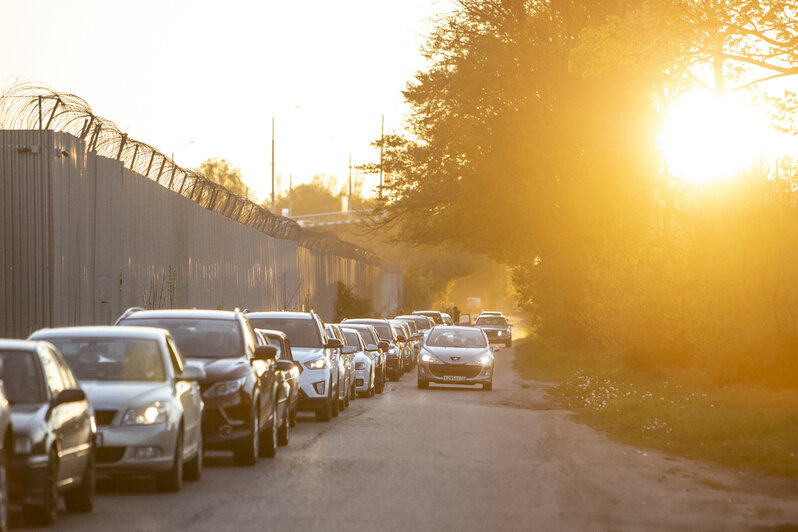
146 400
456 355
364 362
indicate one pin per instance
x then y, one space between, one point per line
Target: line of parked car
148 395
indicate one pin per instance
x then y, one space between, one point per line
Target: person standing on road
455 314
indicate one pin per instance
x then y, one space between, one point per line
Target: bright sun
708 137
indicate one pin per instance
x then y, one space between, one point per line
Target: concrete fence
84 238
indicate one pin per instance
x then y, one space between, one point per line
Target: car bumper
226 421
135 449
26 479
314 387
362 377
457 374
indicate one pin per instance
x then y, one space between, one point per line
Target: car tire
171 481
81 498
334 403
292 419
271 437
423 384
4 465
352 392
45 514
324 412
488 386
283 432
346 398
379 386
394 376
192 471
247 452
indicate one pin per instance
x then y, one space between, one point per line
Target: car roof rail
128 312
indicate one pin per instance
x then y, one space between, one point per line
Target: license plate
454 378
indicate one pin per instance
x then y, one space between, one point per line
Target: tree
222 172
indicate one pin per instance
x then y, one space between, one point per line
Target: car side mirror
285 365
334 343
70 395
383 345
265 352
349 350
372 347
192 373
401 337
494 348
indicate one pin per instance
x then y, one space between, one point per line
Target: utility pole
349 201
382 151
272 165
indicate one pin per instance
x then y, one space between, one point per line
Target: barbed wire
25 105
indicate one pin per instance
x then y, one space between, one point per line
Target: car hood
222 369
464 354
118 395
305 354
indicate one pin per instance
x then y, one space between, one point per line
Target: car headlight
485 360
146 415
499 333
429 359
360 365
393 351
222 389
318 363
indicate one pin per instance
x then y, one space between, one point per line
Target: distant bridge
333 218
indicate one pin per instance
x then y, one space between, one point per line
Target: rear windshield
112 359
301 332
491 320
198 337
352 338
21 380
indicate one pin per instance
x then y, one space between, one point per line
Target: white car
365 366
147 402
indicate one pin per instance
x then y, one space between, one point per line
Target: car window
52 372
21 378
199 337
275 341
302 332
174 355
66 373
491 320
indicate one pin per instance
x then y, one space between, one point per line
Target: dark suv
242 410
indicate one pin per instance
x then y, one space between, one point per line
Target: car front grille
109 455
104 417
459 370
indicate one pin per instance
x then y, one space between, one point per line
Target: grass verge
743 427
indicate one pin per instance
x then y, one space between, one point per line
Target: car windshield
112 359
301 332
383 329
491 320
21 380
456 338
420 321
367 334
199 337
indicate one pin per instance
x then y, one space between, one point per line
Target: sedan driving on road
456 355
146 401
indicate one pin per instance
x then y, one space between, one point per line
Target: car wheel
423 384
379 386
324 412
45 513
488 386
270 439
334 403
394 376
283 431
247 453
352 391
346 398
193 468
81 499
172 480
292 420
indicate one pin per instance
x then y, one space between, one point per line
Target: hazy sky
175 71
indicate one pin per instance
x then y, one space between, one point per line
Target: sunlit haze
170 72
707 137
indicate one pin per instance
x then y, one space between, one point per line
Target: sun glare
709 137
